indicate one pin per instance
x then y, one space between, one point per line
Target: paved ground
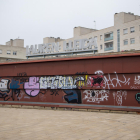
33 124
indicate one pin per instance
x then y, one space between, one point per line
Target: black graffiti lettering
54 92
22 74
97 80
93 93
137 97
78 73
21 79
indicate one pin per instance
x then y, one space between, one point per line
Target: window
8 59
101 47
132 29
125 31
14 53
95 38
132 41
8 52
118 40
0 51
101 37
125 42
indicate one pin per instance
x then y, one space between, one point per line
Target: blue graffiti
73 96
14 84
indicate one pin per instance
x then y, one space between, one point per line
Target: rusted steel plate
112 81
70 66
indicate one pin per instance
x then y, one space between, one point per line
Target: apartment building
13 50
123 36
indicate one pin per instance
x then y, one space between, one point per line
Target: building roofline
73 58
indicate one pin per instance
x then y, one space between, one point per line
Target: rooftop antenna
94 24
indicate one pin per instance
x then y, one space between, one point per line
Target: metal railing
108 49
109 38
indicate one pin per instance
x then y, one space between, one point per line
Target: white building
13 50
123 36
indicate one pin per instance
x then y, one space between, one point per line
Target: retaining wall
98 82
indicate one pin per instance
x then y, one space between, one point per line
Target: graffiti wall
99 88
96 81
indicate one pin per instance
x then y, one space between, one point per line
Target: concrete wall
51 39
20 52
130 17
78 31
16 42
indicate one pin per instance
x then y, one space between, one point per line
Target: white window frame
125 31
124 42
14 52
101 37
0 51
132 29
8 52
101 47
132 40
95 37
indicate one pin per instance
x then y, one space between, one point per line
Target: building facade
13 50
123 36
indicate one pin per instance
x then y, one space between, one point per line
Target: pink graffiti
32 87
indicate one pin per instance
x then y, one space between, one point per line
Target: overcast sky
33 20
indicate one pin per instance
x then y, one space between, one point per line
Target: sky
33 20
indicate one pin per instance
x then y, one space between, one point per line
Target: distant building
13 50
123 36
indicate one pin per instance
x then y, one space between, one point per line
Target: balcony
108 49
108 36
108 46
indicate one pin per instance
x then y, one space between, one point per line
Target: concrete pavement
35 124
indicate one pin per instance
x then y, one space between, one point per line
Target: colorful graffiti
73 96
9 88
137 96
96 88
60 82
97 80
32 87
